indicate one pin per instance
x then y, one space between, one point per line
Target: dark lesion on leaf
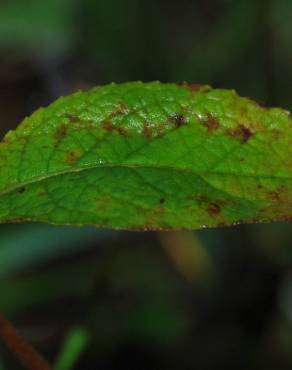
120 109
264 215
241 133
274 196
279 195
162 200
71 157
110 127
147 130
177 119
61 132
213 209
150 131
192 87
72 117
210 122
21 190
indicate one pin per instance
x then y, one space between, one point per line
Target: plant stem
29 357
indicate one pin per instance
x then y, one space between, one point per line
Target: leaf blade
148 156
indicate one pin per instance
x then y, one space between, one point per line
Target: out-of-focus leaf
204 59
60 283
74 344
42 25
23 246
149 156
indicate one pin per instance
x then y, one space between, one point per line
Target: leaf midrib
135 166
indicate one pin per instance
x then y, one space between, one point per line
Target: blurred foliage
42 27
75 343
216 299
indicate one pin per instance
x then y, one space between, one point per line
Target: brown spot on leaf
61 132
120 109
213 209
42 194
161 200
21 190
72 118
280 195
108 126
178 119
71 157
241 133
122 131
147 131
160 128
193 87
274 195
211 122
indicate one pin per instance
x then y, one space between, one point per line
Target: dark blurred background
96 299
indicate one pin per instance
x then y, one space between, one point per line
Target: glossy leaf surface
149 156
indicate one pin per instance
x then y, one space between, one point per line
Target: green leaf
74 345
42 27
149 156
